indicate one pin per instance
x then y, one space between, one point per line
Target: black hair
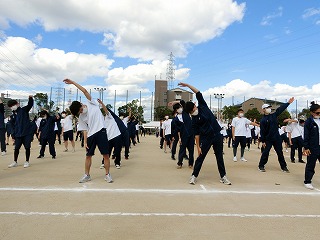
239 110
43 113
63 112
75 108
189 106
12 102
314 106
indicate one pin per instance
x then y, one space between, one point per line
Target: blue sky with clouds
266 49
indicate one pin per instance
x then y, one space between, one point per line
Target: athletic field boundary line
203 190
159 214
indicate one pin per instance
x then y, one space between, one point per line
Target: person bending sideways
91 121
207 134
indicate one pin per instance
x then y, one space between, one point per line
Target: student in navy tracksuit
47 134
186 136
269 135
207 134
174 132
22 130
2 129
311 143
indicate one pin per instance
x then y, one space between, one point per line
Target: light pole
100 90
219 96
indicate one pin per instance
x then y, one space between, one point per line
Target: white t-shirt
111 126
125 121
55 126
249 127
257 131
93 120
294 129
281 131
166 125
240 126
66 123
317 121
38 122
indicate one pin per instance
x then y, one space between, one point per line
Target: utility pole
127 97
115 99
151 106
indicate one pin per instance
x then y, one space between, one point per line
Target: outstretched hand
99 101
68 81
181 84
291 100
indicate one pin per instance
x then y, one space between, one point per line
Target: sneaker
3 153
225 180
173 158
243 159
40 156
262 169
235 159
285 169
179 166
14 164
287 150
165 151
66 150
26 164
73 150
108 178
301 161
190 166
85 178
53 157
102 166
309 186
193 180
117 166
293 161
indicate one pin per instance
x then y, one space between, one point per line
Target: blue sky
266 49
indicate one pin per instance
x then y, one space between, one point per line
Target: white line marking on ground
164 191
127 214
203 187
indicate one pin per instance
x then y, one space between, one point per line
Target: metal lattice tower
170 71
59 95
69 96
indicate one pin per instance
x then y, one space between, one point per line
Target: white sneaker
225 180
26 164
235 159
309 186
287 150
108 178
193 180
14 164
102 166
3 153
73 150
85 178
117 166
243 159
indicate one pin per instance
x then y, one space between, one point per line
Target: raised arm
82 89
192 88
105 109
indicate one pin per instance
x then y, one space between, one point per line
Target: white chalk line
134 214
160 191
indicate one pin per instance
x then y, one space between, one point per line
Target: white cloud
240 90
24 64
142 73
311 12
38 39
267 20
141 29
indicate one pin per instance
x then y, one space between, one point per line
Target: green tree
160 112
253 114
304 113
284 115
41 100
229 112
136 110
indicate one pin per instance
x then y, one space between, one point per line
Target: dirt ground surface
151 199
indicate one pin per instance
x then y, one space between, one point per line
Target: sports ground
151 199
